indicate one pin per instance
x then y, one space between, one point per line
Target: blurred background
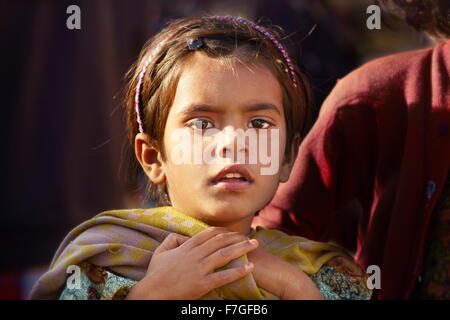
63 129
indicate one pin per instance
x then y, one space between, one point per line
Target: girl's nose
231 143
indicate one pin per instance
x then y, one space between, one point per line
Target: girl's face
224 103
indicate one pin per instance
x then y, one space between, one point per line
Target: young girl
196 88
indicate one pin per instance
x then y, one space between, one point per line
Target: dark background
62 119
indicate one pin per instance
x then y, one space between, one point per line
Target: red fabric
10 286
361 177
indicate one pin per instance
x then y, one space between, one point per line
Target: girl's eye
200 124
260 124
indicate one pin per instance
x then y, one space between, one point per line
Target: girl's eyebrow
262 106
195 108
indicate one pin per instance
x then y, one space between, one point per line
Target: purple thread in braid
139 85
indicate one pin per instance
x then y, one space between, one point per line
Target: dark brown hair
222 40
430 16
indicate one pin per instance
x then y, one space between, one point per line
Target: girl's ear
150 158
289 160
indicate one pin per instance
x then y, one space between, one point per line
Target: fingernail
254 242
248 266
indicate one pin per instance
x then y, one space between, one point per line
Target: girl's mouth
232 182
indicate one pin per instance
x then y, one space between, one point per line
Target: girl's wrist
144 290
137 292
301 287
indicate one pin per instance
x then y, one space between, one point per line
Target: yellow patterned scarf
124 240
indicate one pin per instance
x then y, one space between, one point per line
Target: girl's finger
224 255
219 241
204 235
172 241
223 277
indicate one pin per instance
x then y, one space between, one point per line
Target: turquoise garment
108 287
100 284
334 285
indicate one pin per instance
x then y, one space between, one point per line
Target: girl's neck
242 226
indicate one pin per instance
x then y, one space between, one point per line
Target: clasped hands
183 268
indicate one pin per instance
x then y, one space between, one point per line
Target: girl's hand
183 267
281 278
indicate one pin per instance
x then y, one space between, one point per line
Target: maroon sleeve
317 202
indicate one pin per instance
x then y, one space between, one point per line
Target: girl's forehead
218 81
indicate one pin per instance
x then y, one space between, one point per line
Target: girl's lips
231 184
233 168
